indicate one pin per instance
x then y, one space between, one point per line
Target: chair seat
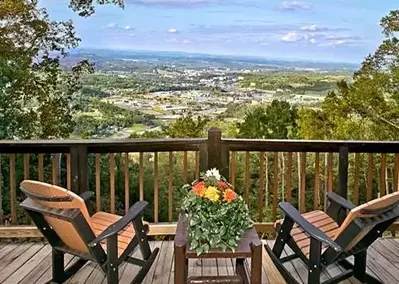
318 219
101 220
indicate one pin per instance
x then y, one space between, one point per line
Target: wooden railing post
79 168
343 178
214 150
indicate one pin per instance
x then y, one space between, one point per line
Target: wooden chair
320 239
107 239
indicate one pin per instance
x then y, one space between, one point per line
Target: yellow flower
212 193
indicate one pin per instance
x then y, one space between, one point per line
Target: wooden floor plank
150 275
270 273
130 270
26 268
162 271
46 276
29 262
19 261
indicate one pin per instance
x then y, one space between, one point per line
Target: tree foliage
368 108
35 92
86 8
275 121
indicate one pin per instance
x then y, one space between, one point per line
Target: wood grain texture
383 176
370 174
40 167
54 168
247 177
233 161
302 189
68 171
141 176
26 166
98 182
275 186
330 172
185 168
112 180
356 180
156 188
127 191
170 187
288 177
261 185
13 190
316 191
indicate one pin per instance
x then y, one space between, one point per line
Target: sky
316 30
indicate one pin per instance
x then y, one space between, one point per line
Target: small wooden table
249 246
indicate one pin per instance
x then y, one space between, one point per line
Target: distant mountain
195 60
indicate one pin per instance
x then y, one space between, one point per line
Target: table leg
181 265
240 270
256 263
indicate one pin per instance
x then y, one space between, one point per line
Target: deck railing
263 171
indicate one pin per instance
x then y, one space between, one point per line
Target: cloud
313 40
128 27
112 25
294 5
186 41
173 31
292 37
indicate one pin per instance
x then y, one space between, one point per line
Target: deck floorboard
30 262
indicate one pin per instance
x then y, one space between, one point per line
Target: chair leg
283 234
359 268
112 264
58 266
314 263
142 236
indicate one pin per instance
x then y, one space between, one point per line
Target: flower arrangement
217 215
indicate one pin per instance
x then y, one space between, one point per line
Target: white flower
213 173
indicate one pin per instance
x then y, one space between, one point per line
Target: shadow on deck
30 262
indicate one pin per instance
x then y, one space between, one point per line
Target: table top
242 251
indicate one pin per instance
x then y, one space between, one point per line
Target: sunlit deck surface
30 262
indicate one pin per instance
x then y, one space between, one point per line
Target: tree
275 121
368 108
86 8
186 127
36 93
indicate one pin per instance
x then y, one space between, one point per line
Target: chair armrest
338 199
134 212
87 195
311 230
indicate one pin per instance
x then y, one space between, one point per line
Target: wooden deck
30 262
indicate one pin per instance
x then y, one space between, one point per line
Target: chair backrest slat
368 212
56 197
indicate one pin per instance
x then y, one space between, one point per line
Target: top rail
315 146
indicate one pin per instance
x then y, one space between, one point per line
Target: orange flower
222 185
229 195
199 188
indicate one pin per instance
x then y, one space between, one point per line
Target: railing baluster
261 185
141 176
369 186
170 188
13 193
40 171
316 192
288 177
26 166
126 165
1 195
232 174
383 168
54 168
68 171
302 194
356 180
156 188
197 165
330 172
275 186
185 169
396 173
98 182
247 178
112 180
